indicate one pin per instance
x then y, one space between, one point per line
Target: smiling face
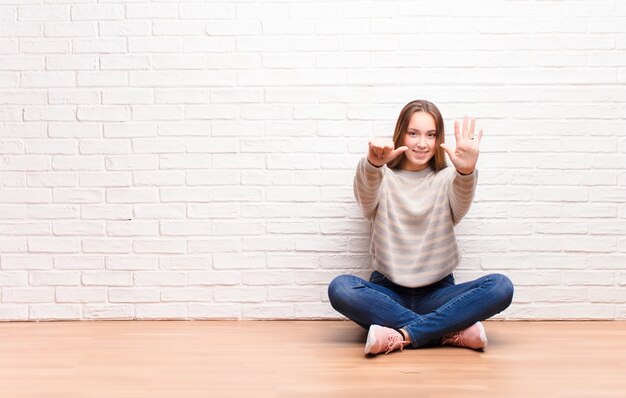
421 139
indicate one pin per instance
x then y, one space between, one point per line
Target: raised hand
381 151
465 155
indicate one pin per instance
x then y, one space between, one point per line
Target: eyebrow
429 131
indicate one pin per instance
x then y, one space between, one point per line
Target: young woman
413 199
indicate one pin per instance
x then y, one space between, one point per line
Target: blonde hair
437 162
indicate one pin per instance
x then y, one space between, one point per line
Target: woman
413 199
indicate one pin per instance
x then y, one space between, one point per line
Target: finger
471 128
448 150
480 136
386 151
465 125
375 150
457 133
396 152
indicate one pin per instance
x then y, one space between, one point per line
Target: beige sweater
413 215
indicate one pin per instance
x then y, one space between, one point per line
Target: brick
159 212
124 28
162 178
161 278
97 12
159 246
54 312
102 114
214 245
81 262
26 262
127 96
268 311
106 212
186 262
74 97
27 295
188 194
80 295
215 311
110 179
161 311
99 46
186 295
102 79
77 228
131 263
239 294
181 96
132 228
15 278
108 312
239 261
70 62
213 278
185 228
293 294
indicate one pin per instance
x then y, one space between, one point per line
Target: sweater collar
413 174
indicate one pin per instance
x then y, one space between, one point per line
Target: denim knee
504 289
340 289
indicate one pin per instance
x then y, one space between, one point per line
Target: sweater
413 214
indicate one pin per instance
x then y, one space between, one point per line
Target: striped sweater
413 214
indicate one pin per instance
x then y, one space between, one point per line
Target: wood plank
137 359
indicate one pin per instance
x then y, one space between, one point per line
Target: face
420 137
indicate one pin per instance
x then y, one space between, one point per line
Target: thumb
396 152
447 149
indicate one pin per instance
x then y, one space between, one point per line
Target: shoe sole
483 334
371 339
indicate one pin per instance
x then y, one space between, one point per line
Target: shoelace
394 343
453 339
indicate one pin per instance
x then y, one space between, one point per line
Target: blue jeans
425 313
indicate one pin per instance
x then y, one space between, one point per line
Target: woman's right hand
381 151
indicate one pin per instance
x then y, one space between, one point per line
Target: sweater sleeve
367 183
461 191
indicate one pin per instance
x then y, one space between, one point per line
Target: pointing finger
396 152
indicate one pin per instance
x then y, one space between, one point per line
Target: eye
412 134
431 135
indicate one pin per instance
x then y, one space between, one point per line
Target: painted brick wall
195 159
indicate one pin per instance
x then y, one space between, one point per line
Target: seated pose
413 199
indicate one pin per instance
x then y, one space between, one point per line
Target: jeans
426 313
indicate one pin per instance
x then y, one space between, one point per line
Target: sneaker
381 339
473 337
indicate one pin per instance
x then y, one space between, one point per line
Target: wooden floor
303 359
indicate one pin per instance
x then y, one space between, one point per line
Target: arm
370 172
366 186
461 189
464 157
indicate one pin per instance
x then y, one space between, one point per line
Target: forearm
367 182
461 193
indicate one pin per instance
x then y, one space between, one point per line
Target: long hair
438 161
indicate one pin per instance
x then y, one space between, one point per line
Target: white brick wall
195 159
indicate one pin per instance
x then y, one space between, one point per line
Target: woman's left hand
465 155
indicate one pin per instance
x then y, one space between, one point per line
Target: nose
421 142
